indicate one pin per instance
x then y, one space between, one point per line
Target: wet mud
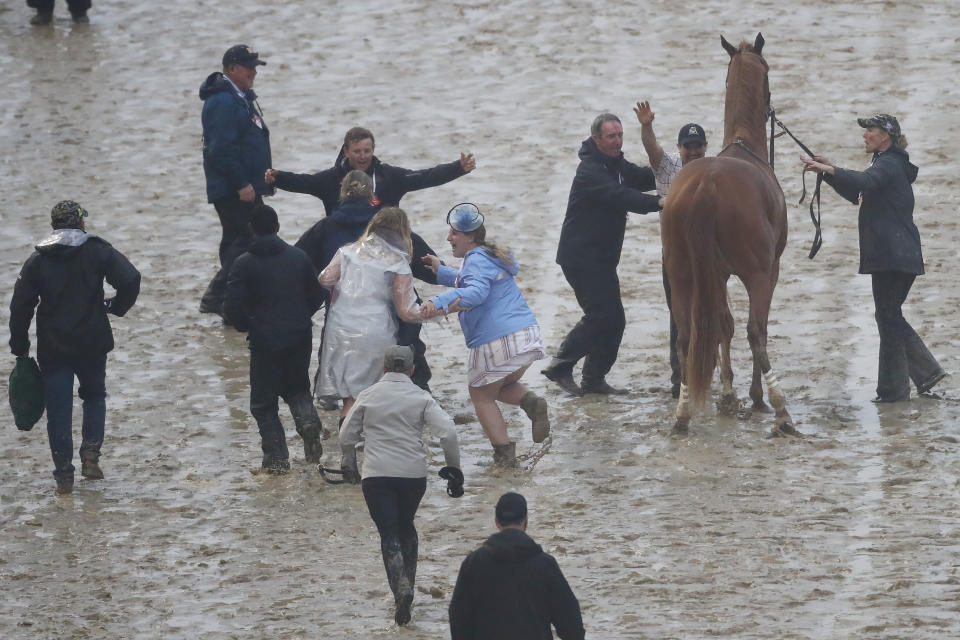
849 532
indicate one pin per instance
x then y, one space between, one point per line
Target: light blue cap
465 217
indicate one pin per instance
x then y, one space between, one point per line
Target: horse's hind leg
760 291
681 426
728 404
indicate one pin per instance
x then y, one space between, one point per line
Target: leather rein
814 217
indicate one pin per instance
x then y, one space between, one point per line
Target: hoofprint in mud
849 532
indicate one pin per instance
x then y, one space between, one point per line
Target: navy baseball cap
511 508
243 55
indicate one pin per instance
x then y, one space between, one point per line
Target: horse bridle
774 121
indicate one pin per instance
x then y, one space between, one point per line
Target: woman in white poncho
372 285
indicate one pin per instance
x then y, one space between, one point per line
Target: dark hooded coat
273 292
603 191
889 239
509 589
65 275
390 183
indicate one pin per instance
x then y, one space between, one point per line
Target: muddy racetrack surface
850 532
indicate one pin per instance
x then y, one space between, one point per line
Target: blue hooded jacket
494 305
236 141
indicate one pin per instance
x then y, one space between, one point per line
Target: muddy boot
308 426
42 18
64 482
505 455
80 16
536 409
90 469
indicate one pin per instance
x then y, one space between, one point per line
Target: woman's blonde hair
356 185
899 141
391 221
479 237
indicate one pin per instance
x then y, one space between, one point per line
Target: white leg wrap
683 403
771 378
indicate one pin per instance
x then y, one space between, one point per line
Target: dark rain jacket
345 225
390 183
509 589
273 292
236 141
65 274
603 191
889 240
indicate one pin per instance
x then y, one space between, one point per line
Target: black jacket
390 183
65 274
603 191
889 240
345 225
273 292
509 589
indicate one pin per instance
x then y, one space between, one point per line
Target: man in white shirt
390 418
691 145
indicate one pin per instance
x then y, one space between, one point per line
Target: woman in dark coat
889 251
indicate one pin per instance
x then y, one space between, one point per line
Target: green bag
26 393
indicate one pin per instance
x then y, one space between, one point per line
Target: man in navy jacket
236 154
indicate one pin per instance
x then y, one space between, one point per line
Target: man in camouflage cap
65 277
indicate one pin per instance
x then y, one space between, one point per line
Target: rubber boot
536 409
308 426
400 584
42 18
89 467
505 455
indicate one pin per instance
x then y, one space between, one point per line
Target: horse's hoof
679 431
785 430
760 405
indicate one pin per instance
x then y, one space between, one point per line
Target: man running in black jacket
65 275
273 292
509 589
605 188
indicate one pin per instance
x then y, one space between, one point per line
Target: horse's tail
708 305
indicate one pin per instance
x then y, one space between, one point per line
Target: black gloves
454 478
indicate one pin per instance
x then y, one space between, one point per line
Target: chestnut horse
726 215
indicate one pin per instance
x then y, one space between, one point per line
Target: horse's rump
724 216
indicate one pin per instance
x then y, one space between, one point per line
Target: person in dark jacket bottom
65 275
509 589
604 189
273 292
889 251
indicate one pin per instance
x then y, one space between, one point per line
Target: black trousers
393 503
903 356
674 357
234 217
282 373
596 337
47 5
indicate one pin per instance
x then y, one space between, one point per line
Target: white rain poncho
372 285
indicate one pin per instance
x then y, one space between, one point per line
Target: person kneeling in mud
273 292
390 417
499 328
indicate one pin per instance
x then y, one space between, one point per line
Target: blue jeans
58 392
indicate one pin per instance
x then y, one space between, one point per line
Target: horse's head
748 90
745 47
